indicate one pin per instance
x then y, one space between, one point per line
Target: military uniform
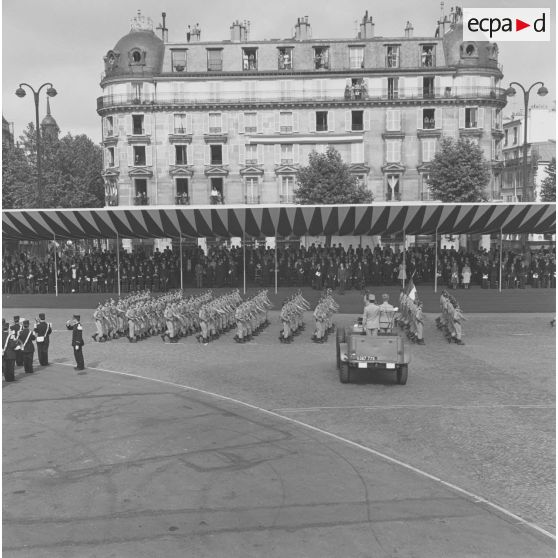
15 327
77 341
43 331
26 338
9 343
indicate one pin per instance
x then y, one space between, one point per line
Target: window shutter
397 120
331 121
277 149
462 117
295 121
366 118
277 122
480 123
419 119
189 155
225 149
401 88
172 154
437 88
398 150
419 87
241 154
312 121
129 125
296 153
348 120
206 123
389 120
189 125
384 92
224 123
130 155
240 122
149 155
171 123
261 155
147 123
206 154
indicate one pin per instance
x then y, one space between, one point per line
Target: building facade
231 122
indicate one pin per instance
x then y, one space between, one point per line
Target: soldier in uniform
387 312
43 331
9 343
77 340
15 327
371 316
26 338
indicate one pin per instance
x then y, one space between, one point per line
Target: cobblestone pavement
479 416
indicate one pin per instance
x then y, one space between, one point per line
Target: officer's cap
25 323
16 318
77 317
371 298
41 316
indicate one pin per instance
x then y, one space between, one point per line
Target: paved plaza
192 450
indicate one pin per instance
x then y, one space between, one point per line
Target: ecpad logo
506 24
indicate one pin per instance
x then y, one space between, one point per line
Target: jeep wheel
344 373
402 372
339 338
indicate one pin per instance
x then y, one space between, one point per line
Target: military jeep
357 351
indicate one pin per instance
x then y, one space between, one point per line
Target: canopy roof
278 220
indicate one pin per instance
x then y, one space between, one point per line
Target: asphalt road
124 460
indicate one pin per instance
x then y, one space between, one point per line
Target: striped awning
278 220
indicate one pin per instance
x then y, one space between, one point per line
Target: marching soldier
43 331
77 340
9 343
26 338
15 327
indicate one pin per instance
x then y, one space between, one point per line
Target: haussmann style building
230 122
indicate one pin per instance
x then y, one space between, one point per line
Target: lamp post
510 92
51 92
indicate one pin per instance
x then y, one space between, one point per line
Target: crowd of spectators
317 266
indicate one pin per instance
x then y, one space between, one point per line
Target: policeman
26 338
77 340
15 327
9 343
42 333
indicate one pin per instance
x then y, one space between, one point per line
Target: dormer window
179 60
136 57
392 56
427 56
249 59
321 58
285 60
468 50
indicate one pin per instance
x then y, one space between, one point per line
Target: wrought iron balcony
252 199
286 198
278 97
141 200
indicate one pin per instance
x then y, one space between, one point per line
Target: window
428 119
321 58
357 153
252 192
321 121
361 180
515 132
392 190
249 59
428 149
287 157
251 154
182 194
139 155
216 154
428 87
285 60
506 137
393 88
109 126
471 117
140 187
393 120
181 157
392 56
427 56
250 122
425 194
357 120
214 60
356 57
470 50
110 158
179 60
286 189
216 194
286 122
215 123
137 125
179 123
358 89
137 91
136 57
393 151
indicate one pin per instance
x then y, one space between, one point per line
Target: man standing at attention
77 340
43 331
371 316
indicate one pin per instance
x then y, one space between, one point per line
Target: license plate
390 364
363 365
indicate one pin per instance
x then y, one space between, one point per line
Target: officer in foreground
77 340
371 316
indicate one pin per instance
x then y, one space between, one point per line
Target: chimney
408 30
366 27
302 29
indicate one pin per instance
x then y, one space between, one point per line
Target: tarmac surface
258 450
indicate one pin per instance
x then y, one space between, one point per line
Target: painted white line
469 495
396 407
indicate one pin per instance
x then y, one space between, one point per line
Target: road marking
473 497
395 407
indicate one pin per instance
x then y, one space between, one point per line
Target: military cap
77 317
16 319
25 323
42 316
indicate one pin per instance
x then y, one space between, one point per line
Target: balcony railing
393 196
141 200
216 199
252 199
278 97
286 198
182 199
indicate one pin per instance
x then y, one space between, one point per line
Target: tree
71 172
548 186
328 180
458 172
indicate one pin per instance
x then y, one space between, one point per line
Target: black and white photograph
278 280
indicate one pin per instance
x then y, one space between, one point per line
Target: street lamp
510 92
51 92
